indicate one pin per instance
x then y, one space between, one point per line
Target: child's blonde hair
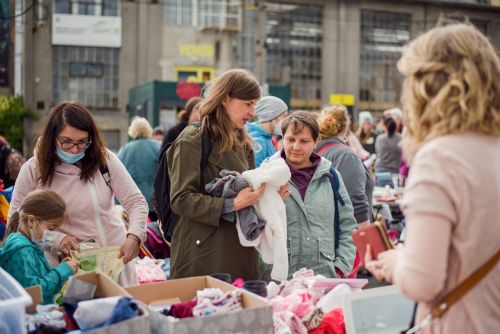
41 204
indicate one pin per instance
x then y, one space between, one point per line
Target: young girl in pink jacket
71 160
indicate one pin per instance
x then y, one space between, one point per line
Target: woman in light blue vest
314 242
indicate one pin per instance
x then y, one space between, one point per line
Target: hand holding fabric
68 243
73 263
283 191
130 248
248 197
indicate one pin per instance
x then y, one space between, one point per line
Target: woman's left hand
130 248
383 268
68 243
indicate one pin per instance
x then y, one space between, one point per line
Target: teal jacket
140 157
310 232
263 147
26 262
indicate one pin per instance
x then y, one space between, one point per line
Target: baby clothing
272 242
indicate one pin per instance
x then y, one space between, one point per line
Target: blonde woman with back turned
451 100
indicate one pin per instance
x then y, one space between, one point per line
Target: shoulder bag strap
441 306
105 174
326 147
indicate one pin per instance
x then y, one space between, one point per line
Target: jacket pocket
325 250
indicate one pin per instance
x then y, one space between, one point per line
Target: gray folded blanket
228 185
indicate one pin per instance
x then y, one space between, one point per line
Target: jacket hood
255 130
14 242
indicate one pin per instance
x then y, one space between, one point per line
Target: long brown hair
235 83
74 114
190 106
42 204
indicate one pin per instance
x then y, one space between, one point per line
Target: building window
383 36
245 48
77 70
210 12
294 42
87 7
94 70
179 12
86 74
4 43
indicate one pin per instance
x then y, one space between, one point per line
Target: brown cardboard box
255 318
36 295
105 288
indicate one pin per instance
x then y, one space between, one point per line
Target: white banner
87 30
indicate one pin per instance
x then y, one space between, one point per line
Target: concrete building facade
318 47
141 41
359 42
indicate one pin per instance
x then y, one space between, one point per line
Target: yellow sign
344 99
194 73
196 50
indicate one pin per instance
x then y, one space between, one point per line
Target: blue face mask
70 158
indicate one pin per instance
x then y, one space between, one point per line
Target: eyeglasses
68 145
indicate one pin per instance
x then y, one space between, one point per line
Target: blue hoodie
26 262
263 147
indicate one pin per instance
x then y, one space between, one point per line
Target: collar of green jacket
15 242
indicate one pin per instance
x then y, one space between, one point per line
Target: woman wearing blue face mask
21 254
71 160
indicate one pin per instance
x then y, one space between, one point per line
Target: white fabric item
271 244
91 313
333 299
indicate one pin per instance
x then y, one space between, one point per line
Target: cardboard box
105 288
36 295
256 317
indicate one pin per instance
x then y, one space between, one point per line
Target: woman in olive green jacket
205 239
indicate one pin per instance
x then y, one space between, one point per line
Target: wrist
134 237
236 205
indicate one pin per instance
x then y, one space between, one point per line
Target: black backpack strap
337 198
105 174
206 148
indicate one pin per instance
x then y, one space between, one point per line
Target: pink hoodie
89 205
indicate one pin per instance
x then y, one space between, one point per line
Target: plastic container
13 301
223 277
257 287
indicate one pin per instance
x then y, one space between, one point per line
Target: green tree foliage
12 114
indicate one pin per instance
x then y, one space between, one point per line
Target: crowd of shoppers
450 137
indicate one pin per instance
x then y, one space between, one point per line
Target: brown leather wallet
374 235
